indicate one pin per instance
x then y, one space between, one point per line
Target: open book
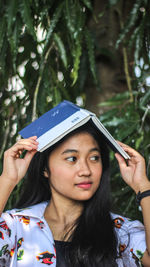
62 119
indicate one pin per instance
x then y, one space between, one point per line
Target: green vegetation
49 51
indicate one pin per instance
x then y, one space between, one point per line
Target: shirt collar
36 211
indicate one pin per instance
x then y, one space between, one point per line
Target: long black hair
93 242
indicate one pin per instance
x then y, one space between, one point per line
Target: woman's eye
95 158
71 159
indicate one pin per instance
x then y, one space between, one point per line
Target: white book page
109 137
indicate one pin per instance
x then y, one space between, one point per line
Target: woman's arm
145 205
134 174
14 167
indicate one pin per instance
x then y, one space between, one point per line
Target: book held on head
63 119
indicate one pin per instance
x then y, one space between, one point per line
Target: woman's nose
84 169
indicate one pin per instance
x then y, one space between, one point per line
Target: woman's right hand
14 167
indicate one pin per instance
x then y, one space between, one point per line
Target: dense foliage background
94 53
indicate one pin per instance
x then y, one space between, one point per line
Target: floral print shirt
26 239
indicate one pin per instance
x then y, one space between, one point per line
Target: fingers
121 161
132 152
17 149
120 158
125 147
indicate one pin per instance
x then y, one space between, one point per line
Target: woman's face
75 168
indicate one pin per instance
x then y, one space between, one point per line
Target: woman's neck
61 216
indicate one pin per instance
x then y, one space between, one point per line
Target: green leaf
145 99
79 21
77 54
44 10
88 4
53 23
27 17
3 57
114 122
118 99
132 18
91 54
61 49
108 115
101 14
11 15
57 96
14 41
2 31
70 15
110 103
133 37
113 2
138 142
128 129
64 92
82 73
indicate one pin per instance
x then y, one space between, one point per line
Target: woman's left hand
133 172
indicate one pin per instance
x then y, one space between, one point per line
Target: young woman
63 217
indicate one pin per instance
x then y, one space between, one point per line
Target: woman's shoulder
36 210
122 222
131 239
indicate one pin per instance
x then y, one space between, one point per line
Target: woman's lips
84 185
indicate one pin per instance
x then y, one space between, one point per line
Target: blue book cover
50 119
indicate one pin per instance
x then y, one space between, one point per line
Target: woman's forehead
79 140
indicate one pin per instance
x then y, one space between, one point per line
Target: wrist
6 188
144 186
7 182
142 195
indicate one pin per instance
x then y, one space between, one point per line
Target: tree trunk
109 60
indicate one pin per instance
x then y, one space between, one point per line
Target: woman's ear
46 175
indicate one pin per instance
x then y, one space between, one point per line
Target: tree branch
34 111
126 70
125 59
5 138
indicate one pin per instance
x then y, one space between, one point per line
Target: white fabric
26 239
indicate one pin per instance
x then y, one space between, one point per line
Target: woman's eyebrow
70 151
76 151
95 149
